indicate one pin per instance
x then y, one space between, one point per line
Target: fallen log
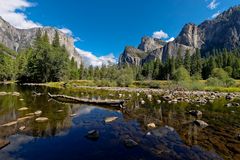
69 99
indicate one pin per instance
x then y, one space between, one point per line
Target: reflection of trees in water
57 123
220 136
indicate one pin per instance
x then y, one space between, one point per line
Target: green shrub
220 77
181 74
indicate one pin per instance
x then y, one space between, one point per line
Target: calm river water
64 135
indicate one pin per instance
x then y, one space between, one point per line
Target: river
131 135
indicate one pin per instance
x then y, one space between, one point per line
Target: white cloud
76 39
66 31
90 59
215 14
171 39
12 12
213 4
160 34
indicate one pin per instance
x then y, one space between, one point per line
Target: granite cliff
18 39
218 33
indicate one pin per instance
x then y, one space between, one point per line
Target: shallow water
64 137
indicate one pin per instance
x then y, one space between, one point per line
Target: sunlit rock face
221 32
19 39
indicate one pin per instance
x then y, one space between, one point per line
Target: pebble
4 143
110 119
16 94
200 123
158 101
22 128
38 113
195 113
73 115
30 114
151 125
41 119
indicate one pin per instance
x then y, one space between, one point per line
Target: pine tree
187 61
179 59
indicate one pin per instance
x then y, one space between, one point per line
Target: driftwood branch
65 98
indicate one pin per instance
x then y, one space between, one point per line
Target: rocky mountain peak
18 39
149 44
189 36
218 33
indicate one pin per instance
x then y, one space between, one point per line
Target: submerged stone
151 125
3 93
195 113
73 115
130 143
38 113
93 135
110 119
4 143
9 124
16 94
59 111
142 102
200 123
23 109
41 119
24 118
30 114
22 128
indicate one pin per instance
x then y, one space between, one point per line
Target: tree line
43 62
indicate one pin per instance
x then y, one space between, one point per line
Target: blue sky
104 27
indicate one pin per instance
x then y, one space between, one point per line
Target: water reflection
63 136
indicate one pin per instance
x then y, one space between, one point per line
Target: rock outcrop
18 39
218 33
149 49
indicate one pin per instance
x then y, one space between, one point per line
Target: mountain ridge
18 39
218 33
